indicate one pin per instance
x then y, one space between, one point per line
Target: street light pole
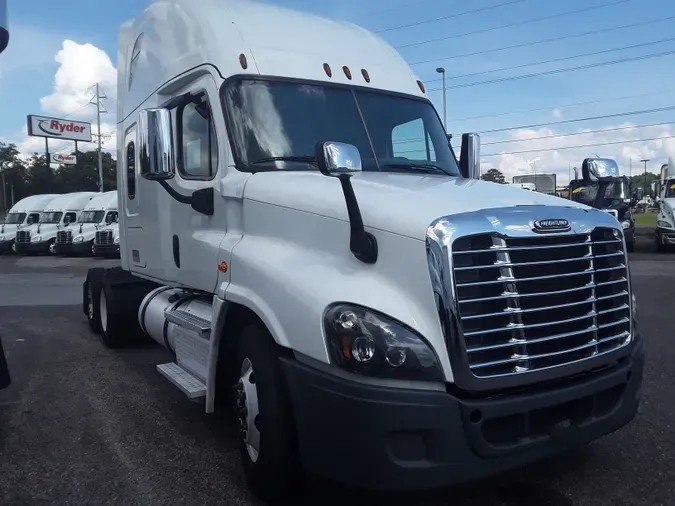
441 71
645 162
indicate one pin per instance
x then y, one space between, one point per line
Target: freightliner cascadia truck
373 315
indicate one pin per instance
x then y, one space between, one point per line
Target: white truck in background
665 221
22 214
60 213
524 186
107 241
383 318
100 212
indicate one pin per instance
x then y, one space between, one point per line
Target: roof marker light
421 85
365 75
347 72
327 69
242 61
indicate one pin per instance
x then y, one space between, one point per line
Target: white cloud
552 159
81 66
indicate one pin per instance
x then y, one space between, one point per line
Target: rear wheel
268 444
91 304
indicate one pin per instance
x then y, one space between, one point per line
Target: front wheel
268 442
630 247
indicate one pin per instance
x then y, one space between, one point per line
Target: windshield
15 218
281 120
91 216
670 189
53 217
614 192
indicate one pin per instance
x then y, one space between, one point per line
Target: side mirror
336 158
469 158
341 161
29 221
155 142
66 221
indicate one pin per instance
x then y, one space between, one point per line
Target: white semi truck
25 212
382 320
61 213
100 212
107 241
665 221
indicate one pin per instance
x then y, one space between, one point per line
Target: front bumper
665 235
395 439
107 249
79 248
34 247
6 246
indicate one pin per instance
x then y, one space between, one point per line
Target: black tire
90 303
112 331
630 246
275 475
660 247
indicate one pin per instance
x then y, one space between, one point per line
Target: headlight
2 238
663 224
37 238
625 224
368 343
79 238
117 240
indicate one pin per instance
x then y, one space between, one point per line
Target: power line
571 134
558 71
517 23
543 41
580 146
451 16
520 111
563 58
579 120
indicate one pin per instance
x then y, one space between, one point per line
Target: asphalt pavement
85 425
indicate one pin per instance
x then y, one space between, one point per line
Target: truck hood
46 230
404 204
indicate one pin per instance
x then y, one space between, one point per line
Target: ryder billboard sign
57 128
60 158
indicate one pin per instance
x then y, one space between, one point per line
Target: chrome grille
104 238
64 237
23 237
542 301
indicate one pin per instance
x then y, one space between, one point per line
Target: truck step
190 385
189 321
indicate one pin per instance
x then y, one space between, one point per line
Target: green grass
646 219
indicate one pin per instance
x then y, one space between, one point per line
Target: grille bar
64 237
23 237
537 302
104 238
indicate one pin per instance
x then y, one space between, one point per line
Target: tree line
24 177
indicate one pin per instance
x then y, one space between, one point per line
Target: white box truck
78 239
382 317
25 212
61 212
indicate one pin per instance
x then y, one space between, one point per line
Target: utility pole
98 127
441 71
645 162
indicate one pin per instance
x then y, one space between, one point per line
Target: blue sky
39 27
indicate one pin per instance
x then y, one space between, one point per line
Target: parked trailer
99 212
61 213
25 212
384 321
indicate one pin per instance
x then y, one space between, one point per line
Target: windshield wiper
428 168
307 159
